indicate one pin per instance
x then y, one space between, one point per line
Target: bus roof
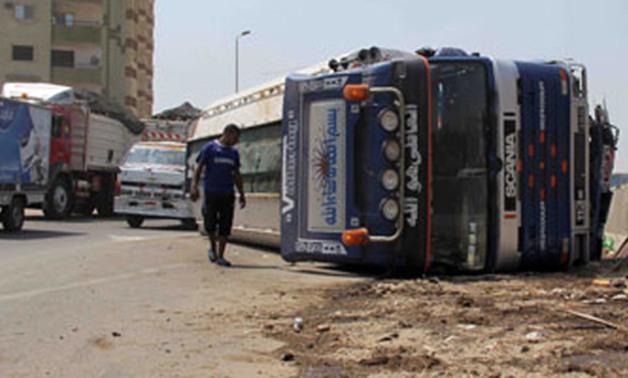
255 106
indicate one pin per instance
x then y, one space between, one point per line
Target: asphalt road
89 297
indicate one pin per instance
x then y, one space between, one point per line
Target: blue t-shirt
220 163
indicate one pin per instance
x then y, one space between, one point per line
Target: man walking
221 162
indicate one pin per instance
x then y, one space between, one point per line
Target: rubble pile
500 325
183 112
105 106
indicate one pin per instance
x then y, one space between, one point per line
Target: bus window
460 181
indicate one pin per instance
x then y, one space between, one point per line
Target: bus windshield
460 181
155 156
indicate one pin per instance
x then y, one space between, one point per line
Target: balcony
77 33
77 76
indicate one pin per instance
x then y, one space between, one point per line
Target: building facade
105 46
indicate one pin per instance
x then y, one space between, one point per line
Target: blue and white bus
443 160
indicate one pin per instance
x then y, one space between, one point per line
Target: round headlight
390 179
392 150
389 120
390 209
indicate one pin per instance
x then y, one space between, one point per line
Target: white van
151 184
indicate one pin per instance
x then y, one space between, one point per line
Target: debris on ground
539 324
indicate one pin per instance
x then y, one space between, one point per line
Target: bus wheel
134 221
13 215
58 201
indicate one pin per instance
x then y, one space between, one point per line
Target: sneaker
211 255
223 262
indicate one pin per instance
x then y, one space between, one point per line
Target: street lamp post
237 63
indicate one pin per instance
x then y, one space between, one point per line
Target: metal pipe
237 59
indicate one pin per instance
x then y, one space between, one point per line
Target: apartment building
105 46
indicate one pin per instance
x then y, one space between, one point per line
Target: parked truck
82 150
25 135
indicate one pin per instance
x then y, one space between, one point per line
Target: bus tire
58 203
134 221
13 215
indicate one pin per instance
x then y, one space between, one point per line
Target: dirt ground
142 303
531 324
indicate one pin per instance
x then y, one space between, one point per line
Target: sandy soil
489 326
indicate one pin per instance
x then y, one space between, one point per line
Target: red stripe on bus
428 247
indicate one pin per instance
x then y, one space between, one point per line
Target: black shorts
218 213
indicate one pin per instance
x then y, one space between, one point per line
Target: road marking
87 283
121 238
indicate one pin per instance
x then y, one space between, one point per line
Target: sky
195 40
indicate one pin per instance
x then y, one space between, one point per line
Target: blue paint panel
15 128
544 223
365 165
299 241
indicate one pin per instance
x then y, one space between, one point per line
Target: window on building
65 19
68 19
23 53
23 12
62 58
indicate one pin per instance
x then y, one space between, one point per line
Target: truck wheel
134 221
13 215
58 202
189 224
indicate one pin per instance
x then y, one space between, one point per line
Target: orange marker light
356 92
358 236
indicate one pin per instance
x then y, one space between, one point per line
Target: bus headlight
390 209
389 120
390 179
392 150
